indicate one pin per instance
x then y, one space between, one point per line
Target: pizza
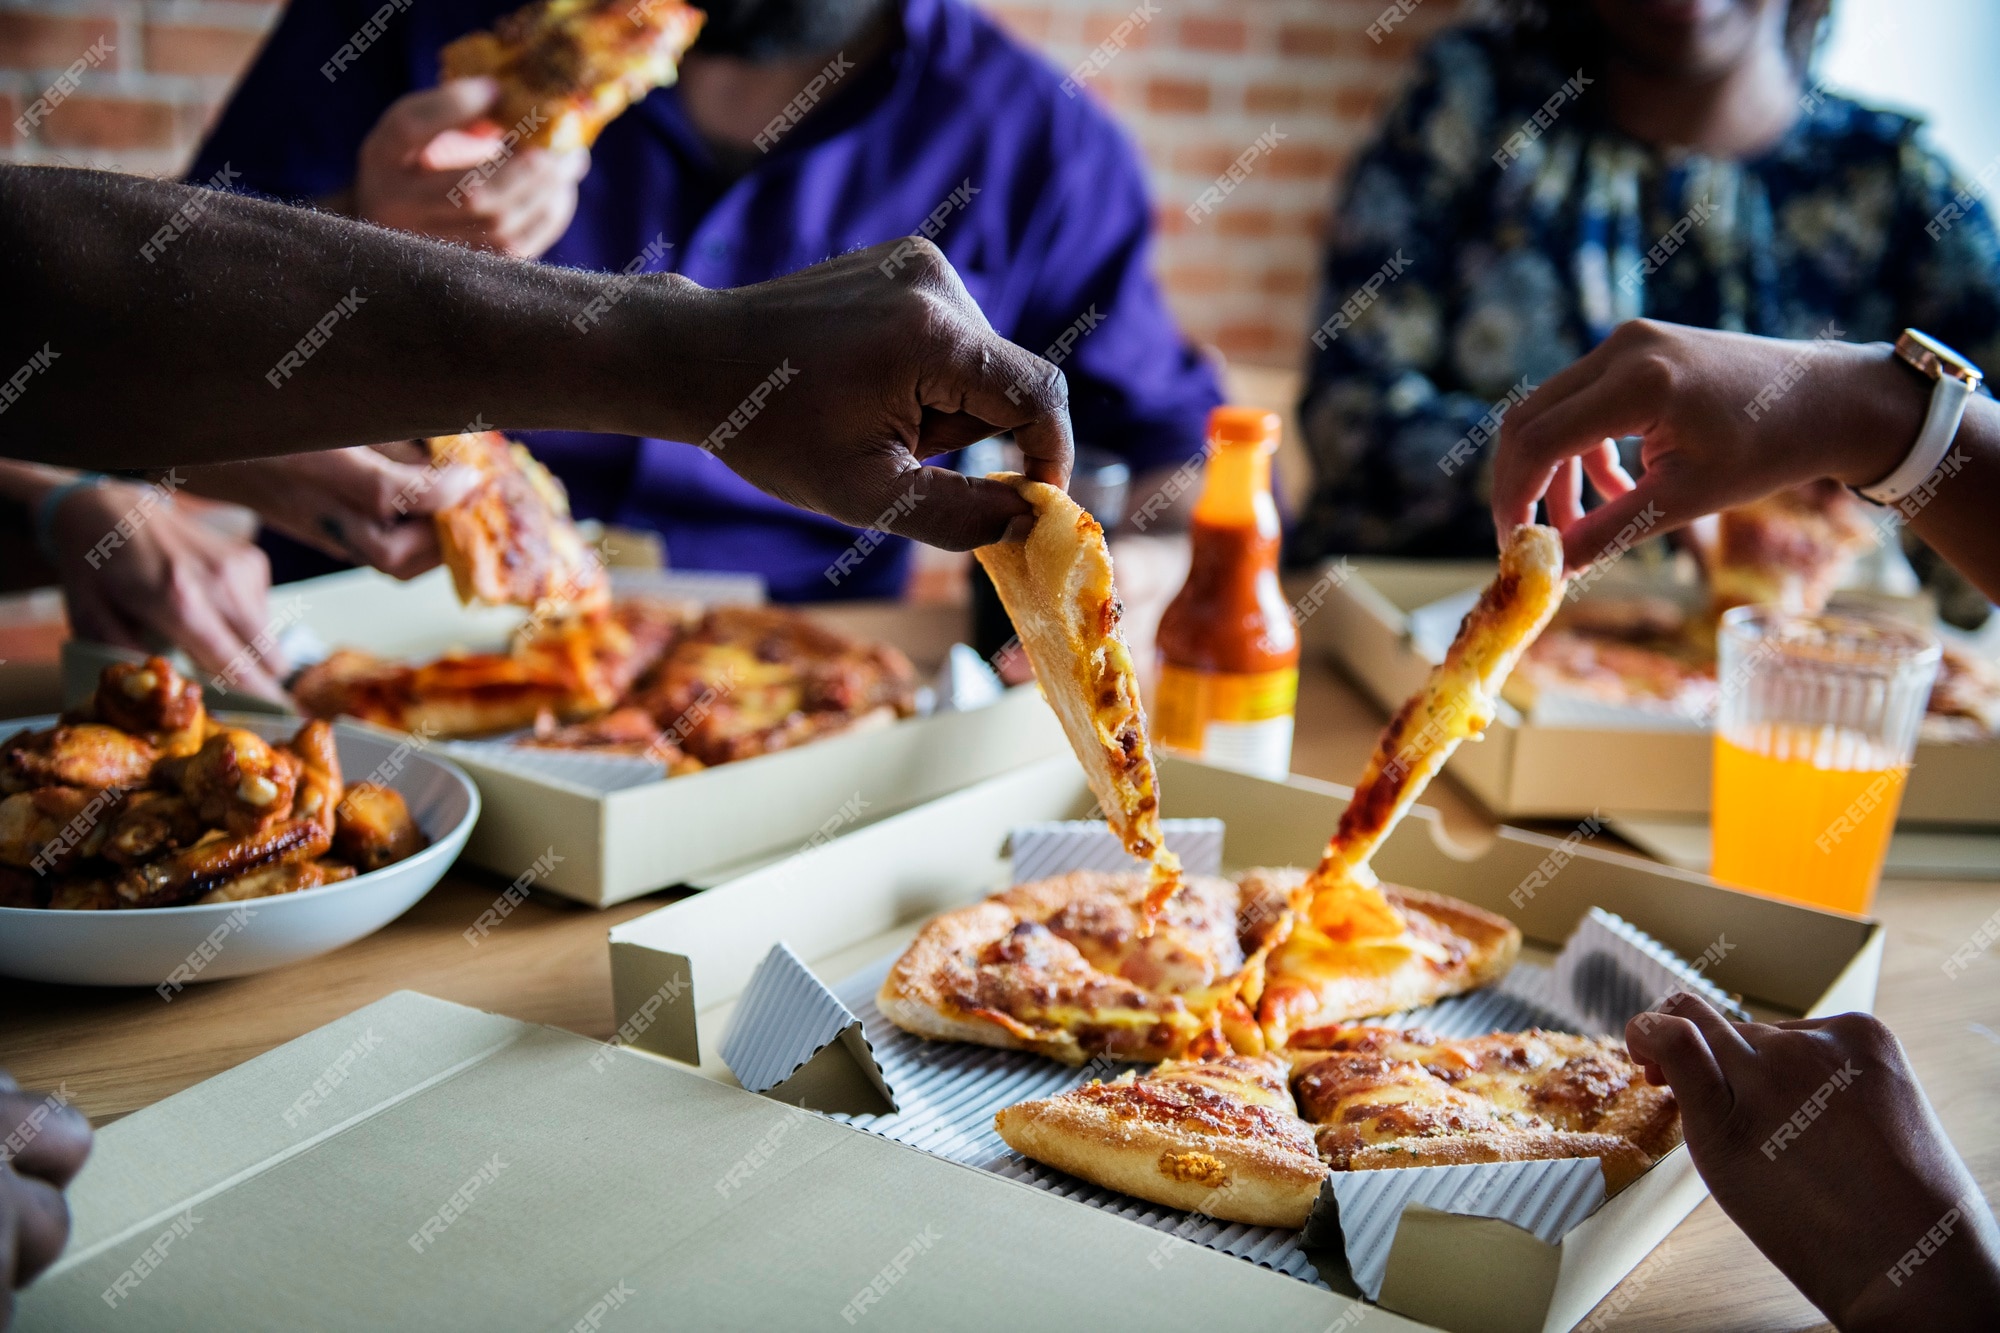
751 680
1639 652
1965 698
511 540
1219 1137
1252 1140
1790 550
1063 968
568 68
1057 588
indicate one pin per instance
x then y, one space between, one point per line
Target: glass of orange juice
1815 727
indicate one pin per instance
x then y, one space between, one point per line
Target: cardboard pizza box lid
421 1165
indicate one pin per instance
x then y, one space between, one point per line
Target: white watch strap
1948 398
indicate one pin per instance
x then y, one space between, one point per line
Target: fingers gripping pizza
568 68
511 540
1057 589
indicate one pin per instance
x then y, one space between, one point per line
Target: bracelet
51 503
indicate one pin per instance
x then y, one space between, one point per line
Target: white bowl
169 947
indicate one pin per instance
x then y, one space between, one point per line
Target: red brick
1273 99
10 109
1100 27
1200 279
103 122
173 48
1204 32
1176 96
1204 159
1310 39
1029 24
1286 281
49 41
1298 161
1247 222
1358 104
1170 221
1250 342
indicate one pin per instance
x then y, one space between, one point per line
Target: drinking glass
1816 723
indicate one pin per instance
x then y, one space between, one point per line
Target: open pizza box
1386 621
767 981
419 1165
602 829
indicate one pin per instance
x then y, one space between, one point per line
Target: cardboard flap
1055 847
794 1041
1367 1208
1610 971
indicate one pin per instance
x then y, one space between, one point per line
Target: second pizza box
1528 770
604 830
842 908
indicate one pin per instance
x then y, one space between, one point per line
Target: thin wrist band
51 504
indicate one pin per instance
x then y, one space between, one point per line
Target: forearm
263 329
28 483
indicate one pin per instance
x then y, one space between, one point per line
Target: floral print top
1499 226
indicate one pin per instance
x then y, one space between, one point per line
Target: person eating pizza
798 129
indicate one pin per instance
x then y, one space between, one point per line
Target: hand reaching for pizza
434 165
354 504
43 1142
830 386
1726 419
1816 1139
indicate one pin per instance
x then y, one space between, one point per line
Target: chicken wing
153 700
148 823
49 829
218 858
375 827
79 754
18 888
83 895
285 877
319 779
236 781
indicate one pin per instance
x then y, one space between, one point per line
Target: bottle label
1238 720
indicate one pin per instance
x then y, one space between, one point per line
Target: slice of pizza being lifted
1058 591
568 68
511 541
1358 944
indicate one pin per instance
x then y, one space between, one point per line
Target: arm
267 328
1816 1139
1851 412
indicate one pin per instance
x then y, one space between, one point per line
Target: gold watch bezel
1934 361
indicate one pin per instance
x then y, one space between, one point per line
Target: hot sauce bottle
1229 652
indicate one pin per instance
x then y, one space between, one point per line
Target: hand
1816 1139
43 1142
827 388
432 165
1725 419
167 575
354 504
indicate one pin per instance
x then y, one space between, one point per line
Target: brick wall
131 83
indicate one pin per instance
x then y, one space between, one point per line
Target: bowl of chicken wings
145 841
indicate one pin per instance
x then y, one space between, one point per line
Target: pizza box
1525 769
418 1165
842 908
604 829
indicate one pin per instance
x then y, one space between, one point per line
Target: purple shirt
1056 236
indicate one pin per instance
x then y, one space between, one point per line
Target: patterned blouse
1499 226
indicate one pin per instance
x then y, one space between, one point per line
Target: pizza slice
568 68
1058 591
752 680
459 694
1791 549
511 541
1359 949
1219 1137
1383 1098
1062 967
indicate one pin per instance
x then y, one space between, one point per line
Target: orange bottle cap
1243 425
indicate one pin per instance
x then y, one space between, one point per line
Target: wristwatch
1953 380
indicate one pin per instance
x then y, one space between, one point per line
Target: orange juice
1803 813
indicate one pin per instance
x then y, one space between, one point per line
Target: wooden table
114 1051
